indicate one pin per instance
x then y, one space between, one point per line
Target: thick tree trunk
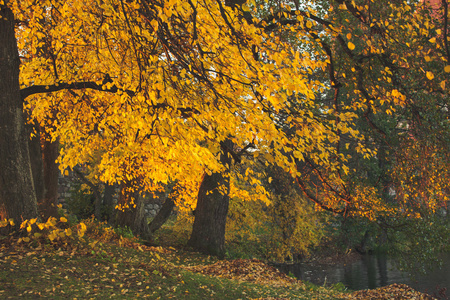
48 204
162 215
132 217
17 194
208 232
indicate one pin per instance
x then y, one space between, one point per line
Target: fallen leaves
252 270
390 292
91 268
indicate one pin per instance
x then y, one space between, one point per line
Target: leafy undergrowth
93 267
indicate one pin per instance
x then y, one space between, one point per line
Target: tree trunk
162 215
37 164
132 217
208 232
17 194
45 171
48 204
108 202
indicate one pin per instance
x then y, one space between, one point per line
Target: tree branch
39 89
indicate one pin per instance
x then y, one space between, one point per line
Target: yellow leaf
41 225
430 75
270 179
24 223
29 228
395 93
68 231
51 222
82 230
447 69
52 236
351 46
62 219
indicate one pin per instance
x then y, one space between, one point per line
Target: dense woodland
289 124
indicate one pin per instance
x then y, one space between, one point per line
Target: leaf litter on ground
124 269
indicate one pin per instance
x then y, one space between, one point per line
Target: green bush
81 202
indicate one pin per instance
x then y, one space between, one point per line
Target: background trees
152 93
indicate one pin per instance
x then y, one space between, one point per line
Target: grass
103 263
123 269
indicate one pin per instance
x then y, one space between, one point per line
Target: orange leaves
351 46
252 270
393 291
5 222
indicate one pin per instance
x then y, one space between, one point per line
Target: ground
120 268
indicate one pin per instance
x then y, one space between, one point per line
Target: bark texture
17 194
48 204
208 231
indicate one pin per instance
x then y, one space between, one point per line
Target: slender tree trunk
131 216
162 215
17 194
108 201
37 164
45 171
208 232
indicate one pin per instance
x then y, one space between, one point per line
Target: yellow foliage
81 229
51 230
351 46
146 93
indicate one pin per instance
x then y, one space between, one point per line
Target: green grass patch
87 270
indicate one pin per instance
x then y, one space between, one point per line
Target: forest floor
96 267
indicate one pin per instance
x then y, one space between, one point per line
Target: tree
208 232
194 102
158 88
396 71
17 194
